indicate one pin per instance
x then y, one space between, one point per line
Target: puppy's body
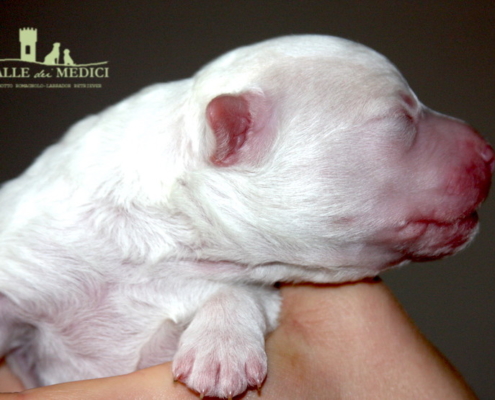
155 229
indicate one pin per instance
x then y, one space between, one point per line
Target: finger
150 383
8 381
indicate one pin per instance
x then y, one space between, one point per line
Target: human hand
348 341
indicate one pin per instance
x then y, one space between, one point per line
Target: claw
176 377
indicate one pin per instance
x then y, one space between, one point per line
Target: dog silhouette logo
53 57
67 58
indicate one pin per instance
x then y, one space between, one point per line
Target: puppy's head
316 152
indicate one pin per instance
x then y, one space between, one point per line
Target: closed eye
407 127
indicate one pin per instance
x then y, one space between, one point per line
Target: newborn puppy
156 229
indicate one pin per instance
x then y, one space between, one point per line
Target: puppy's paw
220 364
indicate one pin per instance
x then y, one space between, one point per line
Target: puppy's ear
240 125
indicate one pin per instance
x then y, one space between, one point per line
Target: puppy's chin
426 240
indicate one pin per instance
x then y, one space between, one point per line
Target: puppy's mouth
425 239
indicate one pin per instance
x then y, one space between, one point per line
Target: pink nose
480 173
488 155
467 163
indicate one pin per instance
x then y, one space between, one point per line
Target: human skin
349 341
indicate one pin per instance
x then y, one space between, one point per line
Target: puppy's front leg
222 351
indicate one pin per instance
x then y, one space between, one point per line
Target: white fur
123 245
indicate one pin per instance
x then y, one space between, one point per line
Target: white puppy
156 229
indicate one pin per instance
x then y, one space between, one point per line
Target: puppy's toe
222 369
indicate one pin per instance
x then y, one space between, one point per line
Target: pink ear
230 119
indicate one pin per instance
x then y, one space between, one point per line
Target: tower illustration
28 38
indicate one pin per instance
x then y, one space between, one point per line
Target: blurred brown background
445 49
